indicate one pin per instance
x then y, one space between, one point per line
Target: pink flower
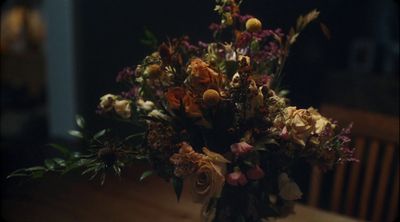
236 178
284 133
241 148
255 173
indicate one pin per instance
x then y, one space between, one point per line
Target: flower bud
241 148
255 173
123 108
236 178
253 25
211 97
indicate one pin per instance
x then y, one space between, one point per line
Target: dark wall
108 39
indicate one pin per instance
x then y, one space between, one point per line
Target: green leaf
59 161
37 174
145 175
35 168
64 151
178 186
50 164
76 133
99 134
134 136
80 121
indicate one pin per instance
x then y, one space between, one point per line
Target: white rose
107 102
145 105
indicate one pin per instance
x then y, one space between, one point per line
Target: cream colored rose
320 122
107 102
298 124
207 182
123 108
209 179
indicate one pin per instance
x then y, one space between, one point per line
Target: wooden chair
369 189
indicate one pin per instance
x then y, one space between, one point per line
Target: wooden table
127 200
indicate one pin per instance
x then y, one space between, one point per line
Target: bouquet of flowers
212 116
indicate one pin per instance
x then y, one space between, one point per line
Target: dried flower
187 161
123 108
253 25
211 97
160 136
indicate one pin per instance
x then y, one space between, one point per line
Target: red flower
255 173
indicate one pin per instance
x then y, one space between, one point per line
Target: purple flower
243 40
125 74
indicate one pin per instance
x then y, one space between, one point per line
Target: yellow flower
123 108
211 97
253 25
107 102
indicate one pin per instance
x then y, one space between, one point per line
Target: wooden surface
125 200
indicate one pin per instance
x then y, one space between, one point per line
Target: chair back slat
368 179
355 169
367 189
338 187
394 202
366 124
383 181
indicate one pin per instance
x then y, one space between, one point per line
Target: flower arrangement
212 116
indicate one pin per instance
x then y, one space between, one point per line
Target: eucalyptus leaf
100 134
146 174
50 164
76 133
64 151
60 162
80 121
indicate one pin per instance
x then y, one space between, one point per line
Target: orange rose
201 74
174 97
